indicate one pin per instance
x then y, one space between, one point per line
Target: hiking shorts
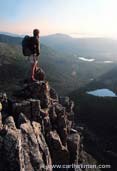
33 59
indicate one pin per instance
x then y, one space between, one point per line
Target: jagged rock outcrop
23 149
35 130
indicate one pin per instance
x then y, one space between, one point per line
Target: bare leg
34 67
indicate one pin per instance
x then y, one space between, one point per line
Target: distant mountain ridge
11 34
98 47
10 39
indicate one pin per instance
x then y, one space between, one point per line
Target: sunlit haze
78 18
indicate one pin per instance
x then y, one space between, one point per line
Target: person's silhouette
36 52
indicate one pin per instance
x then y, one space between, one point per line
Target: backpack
27 46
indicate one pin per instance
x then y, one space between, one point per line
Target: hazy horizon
72 36
77 18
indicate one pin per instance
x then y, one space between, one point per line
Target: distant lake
86 59
108 62
105 62
102 93
89 59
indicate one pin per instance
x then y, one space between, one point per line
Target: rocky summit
37 130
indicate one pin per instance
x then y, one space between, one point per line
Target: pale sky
79 18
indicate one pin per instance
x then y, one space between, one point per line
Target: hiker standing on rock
31 48
36 52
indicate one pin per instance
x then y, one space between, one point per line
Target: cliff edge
37 130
